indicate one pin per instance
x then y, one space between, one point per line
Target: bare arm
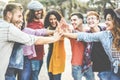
70 35
45 40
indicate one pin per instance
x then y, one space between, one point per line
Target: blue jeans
104 75
26 72
36 67
78 74
114 76
22 74
11 73
54 77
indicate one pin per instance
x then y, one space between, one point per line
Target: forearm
45 40
49 32
71 35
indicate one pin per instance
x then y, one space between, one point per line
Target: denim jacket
105 37
19 51
16 59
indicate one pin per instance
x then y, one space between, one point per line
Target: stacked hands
62 28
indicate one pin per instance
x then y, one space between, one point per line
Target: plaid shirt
87 56
116 57
115 54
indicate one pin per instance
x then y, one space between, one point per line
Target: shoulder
102 27
105 34
4 24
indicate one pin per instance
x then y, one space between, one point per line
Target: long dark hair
116 29
116 33
51 12
30 15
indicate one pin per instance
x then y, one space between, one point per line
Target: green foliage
68 6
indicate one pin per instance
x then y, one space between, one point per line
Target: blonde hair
93 13
11 7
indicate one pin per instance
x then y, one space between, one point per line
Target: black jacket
99 57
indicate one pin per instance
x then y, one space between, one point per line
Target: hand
63 26
57 35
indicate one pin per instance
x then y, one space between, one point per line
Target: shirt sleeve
90 37
16 35
40 32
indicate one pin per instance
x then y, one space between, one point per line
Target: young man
35 8
9 34
78 50
101 62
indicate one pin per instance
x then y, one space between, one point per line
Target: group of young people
93 50
103 52
21 47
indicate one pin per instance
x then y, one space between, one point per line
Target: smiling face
92 21
75 21
38 14
16 18
109 22
53 20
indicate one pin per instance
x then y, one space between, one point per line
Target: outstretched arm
70 35
46 40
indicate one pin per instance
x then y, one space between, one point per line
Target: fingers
58 33
57 36
62 26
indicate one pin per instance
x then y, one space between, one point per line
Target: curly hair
30 15
51 12
116 33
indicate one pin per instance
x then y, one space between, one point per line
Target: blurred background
68 6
